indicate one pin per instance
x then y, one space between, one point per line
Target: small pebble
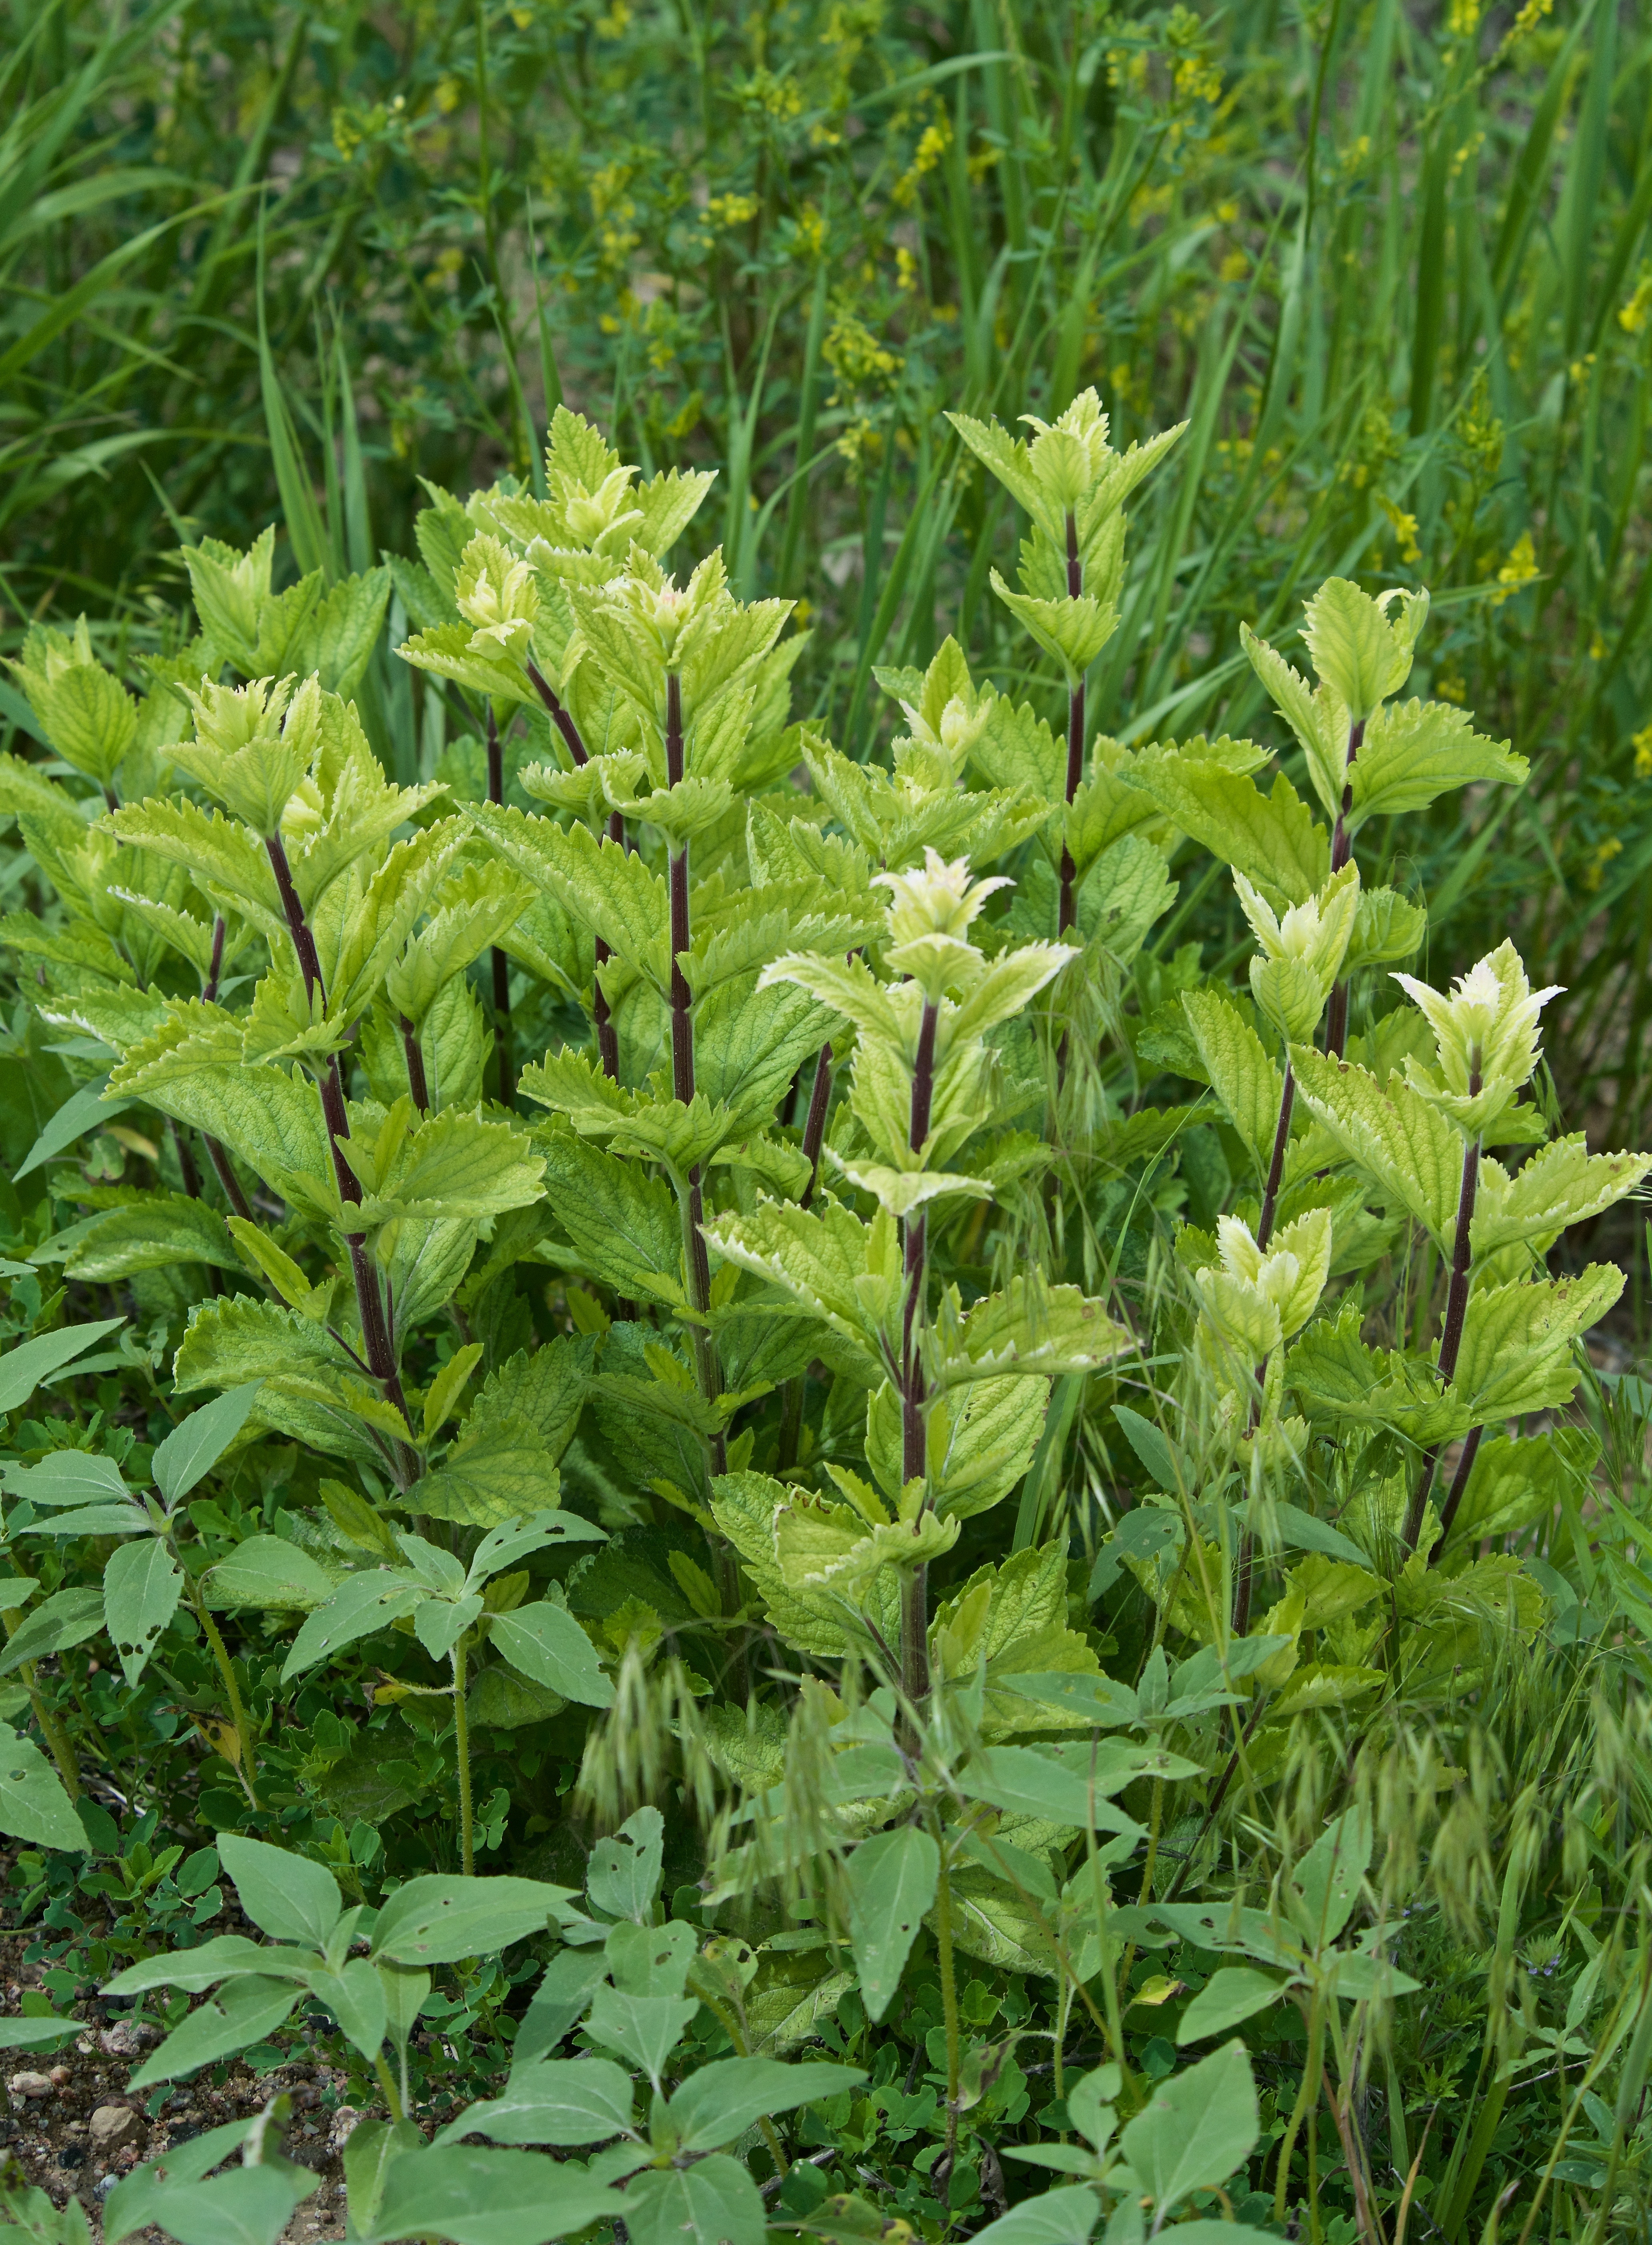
31 2085
114 2126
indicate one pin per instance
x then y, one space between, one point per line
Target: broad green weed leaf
564 2101
33 1806
67 1618
713 2202
361 1604
1330 1875
624 1873
284 1894
249 2205
1235 1993
641 2028
1068 2216
268 1572
244 2011
891 1884
1196 2129
718 2104
440 1918
469 2195
544 1642
23 1368
142 1586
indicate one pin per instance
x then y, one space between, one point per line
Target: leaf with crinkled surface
1563 1183
1242 1074
154 1234
745 1506
1015 1616
623 1223
219 854
1338 1381
1032 1327
1415 751
830 1262
1074 631
1516 1353
458 1165
1317 719
1363 654
1408 1147
1273 840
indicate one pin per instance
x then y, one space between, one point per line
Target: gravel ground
67 2117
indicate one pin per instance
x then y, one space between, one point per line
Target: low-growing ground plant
1014 1503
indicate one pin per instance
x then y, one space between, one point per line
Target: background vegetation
1392 266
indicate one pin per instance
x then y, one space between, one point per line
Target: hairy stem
387 2083
501 964
51 1730
949 2000
415 1052
1451 1339
462 1749
1307 2098
1341 849
237 1714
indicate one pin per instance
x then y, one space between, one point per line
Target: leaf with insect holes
33 1806
891 1884
439 1918
142 1586
361 1604
246 2011
544 1642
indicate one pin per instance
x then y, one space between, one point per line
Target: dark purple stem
501 964
561 717
1276 1166
914 1391
1341 850
209 991
1450 1338
376 1333
415 1083
1454 1495
815 1121
1075 736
